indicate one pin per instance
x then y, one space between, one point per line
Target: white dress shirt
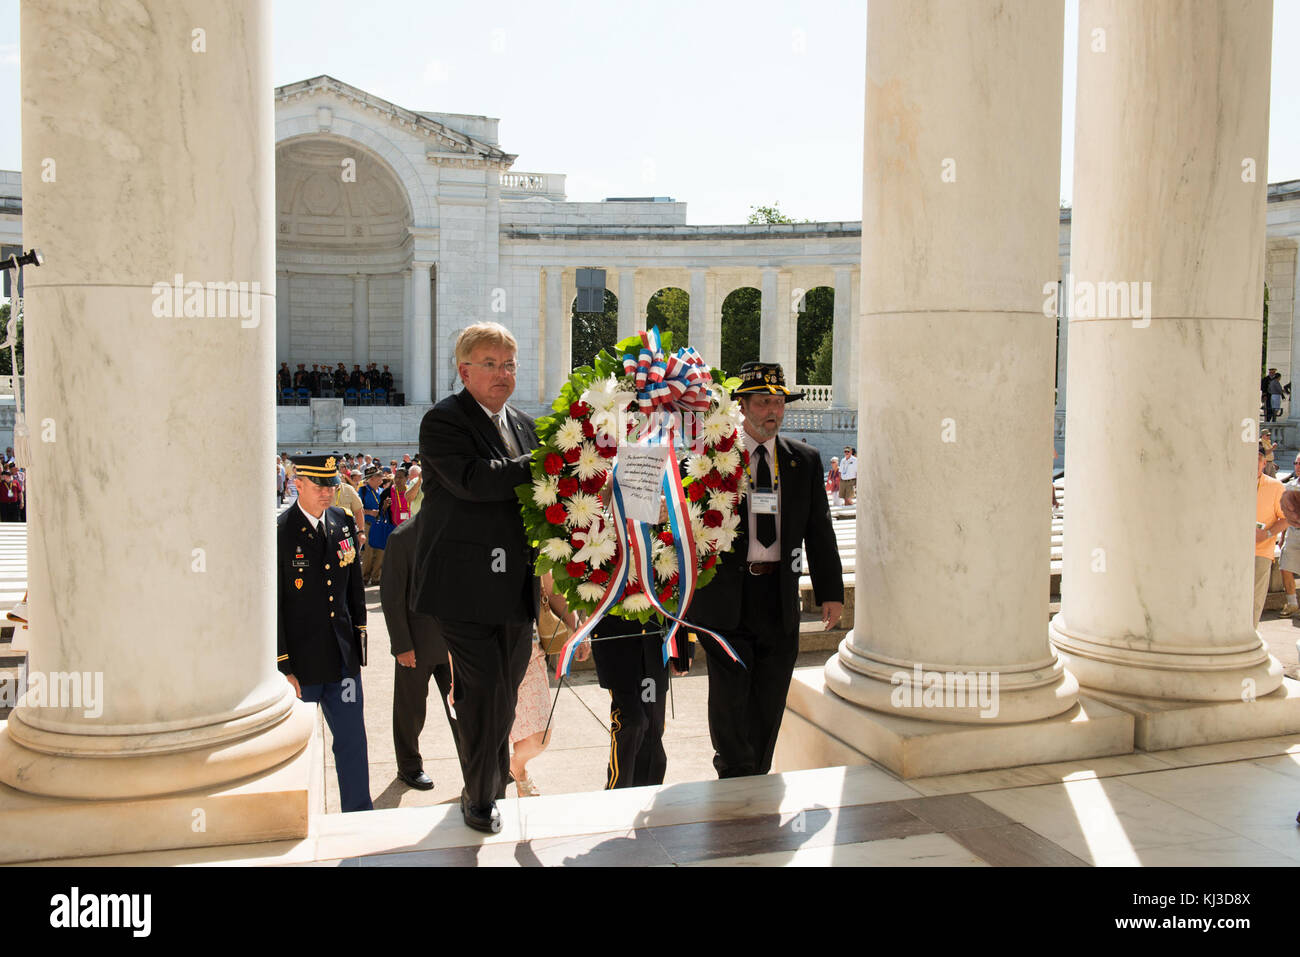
315 523
757 551
849 467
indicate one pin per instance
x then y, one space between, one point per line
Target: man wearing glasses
473 565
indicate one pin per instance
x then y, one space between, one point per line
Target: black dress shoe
486 819
419 780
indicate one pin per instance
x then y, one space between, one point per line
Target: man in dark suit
419 651
753 601
322 617
474 566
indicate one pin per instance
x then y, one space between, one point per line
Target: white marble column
170 597
957 361
408 330
421 387
788 326
842 357
771 313
283 336
1159 514
627 318
361 319
698 320
558 343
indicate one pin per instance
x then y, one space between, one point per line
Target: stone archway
742 320
670 309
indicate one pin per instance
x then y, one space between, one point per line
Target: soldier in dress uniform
322 617
340 378
283 377
354 380
300 377
386 380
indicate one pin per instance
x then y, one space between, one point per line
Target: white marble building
396 228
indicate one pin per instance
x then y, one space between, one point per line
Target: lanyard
776 470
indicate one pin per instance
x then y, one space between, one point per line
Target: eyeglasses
509 368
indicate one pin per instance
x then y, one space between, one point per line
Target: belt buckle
750 567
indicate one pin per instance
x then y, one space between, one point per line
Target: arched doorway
742 320
814 335
593 331
670 310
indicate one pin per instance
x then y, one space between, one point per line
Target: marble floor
1217 805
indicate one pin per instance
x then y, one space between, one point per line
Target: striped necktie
499 419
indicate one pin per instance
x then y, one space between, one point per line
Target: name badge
403 516
762 503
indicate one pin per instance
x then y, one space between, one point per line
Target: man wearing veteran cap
753 601
322 617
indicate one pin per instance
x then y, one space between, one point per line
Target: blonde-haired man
473 564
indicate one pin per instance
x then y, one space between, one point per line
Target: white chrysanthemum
724 538
557 549
603 394
590 591
726 462
598 549
544 491
569 435
698 466
589 464
583 510
697 512
637 602
721 501
666 563
715 428
731 522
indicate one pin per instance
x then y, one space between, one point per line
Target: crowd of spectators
370 384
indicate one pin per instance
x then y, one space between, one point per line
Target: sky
722 104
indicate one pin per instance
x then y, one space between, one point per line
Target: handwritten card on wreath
640 477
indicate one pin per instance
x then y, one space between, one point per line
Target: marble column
956 357
627 319
167 598
408 332
771 313
421 389
361 319
787 331
558 342
1159 514
842 341
698 320
283 337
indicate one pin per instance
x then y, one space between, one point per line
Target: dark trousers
488 662
410 705
746 704
344 710
636 734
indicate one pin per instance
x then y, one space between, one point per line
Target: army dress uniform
322 624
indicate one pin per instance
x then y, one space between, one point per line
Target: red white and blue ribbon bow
665 385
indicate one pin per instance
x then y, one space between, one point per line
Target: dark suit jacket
319 640
407 630
805 524
472 561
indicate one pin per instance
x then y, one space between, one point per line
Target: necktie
499 419
765 525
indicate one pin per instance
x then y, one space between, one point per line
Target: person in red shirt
10 498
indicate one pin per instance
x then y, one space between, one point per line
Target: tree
771 214
741 320
822 371
5 367
593 331
815 320
670 310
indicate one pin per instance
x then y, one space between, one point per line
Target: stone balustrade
815 396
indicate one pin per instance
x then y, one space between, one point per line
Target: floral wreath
574 527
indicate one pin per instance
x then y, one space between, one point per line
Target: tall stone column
283 331
421 390
770 316
963 108
787 326
1159 516
168 598
361 319
408 332
699 315
842 357
627 319
558 342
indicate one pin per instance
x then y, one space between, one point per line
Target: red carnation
726 444
555 514
578 409
576 569
553 464
599 576
713 479
572 455
696 491
712 518
731 482
675 579
666 595
710 561
632 588
577 540
567 486
588 430
593 485
666 537
608 451
744 454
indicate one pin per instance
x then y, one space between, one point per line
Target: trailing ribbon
664 385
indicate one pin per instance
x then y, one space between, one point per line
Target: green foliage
670 310
771 214
816 320
821 373
741 320
594 331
